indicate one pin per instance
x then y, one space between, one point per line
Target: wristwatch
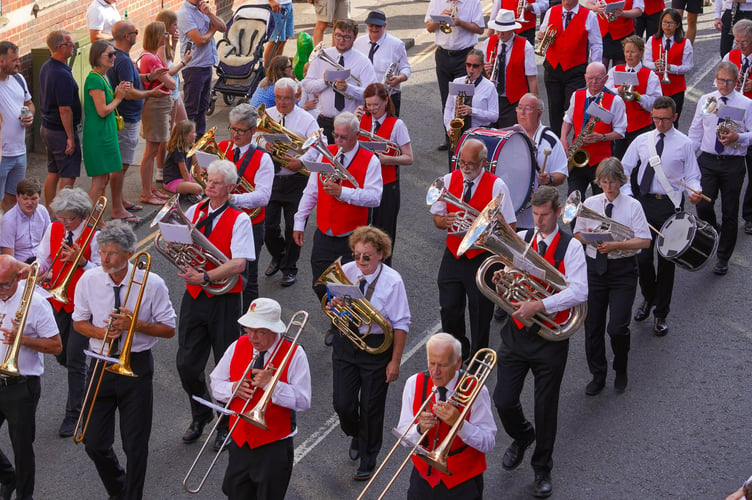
206 278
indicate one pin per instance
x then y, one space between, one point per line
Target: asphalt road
677 432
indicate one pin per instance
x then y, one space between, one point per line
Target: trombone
257 415
392 148
122 364
10 361
340 172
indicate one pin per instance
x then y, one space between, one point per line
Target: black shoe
721 267
272 269
515 453
67 428
329 337
542 486
443 147
643 312
363 475
660 327
595 386
748 227
288 279
354 452
194 430
7 489
221 436
620 382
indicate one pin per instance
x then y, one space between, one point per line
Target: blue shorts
283 31
12 171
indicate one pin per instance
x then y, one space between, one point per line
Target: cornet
444 27
549 37
388 75
710 106
321 54
521 5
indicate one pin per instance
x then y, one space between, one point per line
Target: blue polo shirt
124 70
57 87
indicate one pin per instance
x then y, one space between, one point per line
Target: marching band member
517 73
647 24
476 437
476 187
19 395
529 11
25 223
679 163
640 102
452 47
256 167
522 349
612 276
205 318
722 159
577 34
387 53
378 117
288 185
73 207
670 38
726 22
340 95
104 312
260 463
598 142
615 26
361 379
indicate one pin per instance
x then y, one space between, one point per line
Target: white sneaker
158 177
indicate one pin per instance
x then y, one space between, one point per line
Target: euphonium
208 144
195 255
549 37
537 281
620 232
353 314
340 172
578 157
266 124
10 361
463 218
457 123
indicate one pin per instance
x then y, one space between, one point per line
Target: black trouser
722 174
529 35
560 85
385 215
327 123
619 146
133 398
507 113
206 323
397 101
679 100
18 406
262 473
656 284
582 177
420 489
647 25
611 294
727 37
747 200
359 396
325 250
250 288
286 193
457 288
450 64
74 360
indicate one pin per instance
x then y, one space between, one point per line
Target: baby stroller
241 54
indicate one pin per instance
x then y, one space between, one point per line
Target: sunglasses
471 65
358 256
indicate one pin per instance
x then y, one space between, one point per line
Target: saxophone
576 156
457 123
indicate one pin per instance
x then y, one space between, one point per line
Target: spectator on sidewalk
100 18
328 12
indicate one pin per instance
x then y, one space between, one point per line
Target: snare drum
511 156
687 241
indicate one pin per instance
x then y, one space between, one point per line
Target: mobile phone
189 46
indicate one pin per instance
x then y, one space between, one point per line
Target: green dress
100 141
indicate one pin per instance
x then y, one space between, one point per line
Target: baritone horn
549 37
619 232
463 217
10 361
281 150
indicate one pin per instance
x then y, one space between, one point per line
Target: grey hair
349 119
445 339
226 168
482 153
73 201
244 113
539 106
286 83
119 233
743 27
56 38
610 168
728 66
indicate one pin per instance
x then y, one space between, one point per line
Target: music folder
442 19
204 159
611 7
625 78
467 88
340 290
315 166
732 113
335 74
375 146
600 112
176 233
597 237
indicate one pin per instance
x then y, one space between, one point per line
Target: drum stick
656 231
546 153
695 191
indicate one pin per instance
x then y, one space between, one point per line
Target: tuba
340 172
537 281
354 313
549 37
195 255
10 361
266 124
620 232
578 157
464 217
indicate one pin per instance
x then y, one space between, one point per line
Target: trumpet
549 37
388 75
58 284
444 27
122 364
281 150
618 231
710 106
741 82
494 76
340 172
663 59
578 157
520 11
320 53
256 415
349 317
463 218
610 17
627 92
10 361
392 148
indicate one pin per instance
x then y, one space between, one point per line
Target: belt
6 381
657 196
326 118
722 157
454 52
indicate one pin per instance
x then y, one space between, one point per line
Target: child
25 223
177 178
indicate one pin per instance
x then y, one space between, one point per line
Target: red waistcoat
57 235
637 116
278 418
597 150
250 173
515 79
570 48
735 56
221 237
465 462
675 58
621 27
528 24
654 6
388 172
481 197
338 216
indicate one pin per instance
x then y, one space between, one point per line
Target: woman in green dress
100 142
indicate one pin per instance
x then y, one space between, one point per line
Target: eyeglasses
344 137
132 33
469 164
725 82
364 256
525 109
743 42
669 23
234 130
108 255
473 65
62 218
340 36
661 119
71 44
594 78
284 98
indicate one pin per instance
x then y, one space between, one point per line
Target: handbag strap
107 84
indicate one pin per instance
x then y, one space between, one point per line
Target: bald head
595 77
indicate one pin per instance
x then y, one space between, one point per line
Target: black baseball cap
376 17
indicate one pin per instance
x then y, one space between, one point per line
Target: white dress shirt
531 68
485 104
478 431
618 111
539 6
460 38
702 130
45 258
262 182
390 50
389 296
595 40
627 211
368 195
652 92
687 57
400 135
499 187
95 300
678 161
721 5
359 66
299 122
40 323
241 245
23 234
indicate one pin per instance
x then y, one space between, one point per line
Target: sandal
131 219
133 207
161 194
152 200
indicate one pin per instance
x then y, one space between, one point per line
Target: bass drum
511 156
687 241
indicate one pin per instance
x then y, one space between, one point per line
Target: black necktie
718 143
568 19
542 247
339 99
601 259
282 120
376 125
649 174
745 66
502 83
442 393
468 191
362 286
668 44
258 364
205 225
236 155
69 239
342 160
116 293
374 48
